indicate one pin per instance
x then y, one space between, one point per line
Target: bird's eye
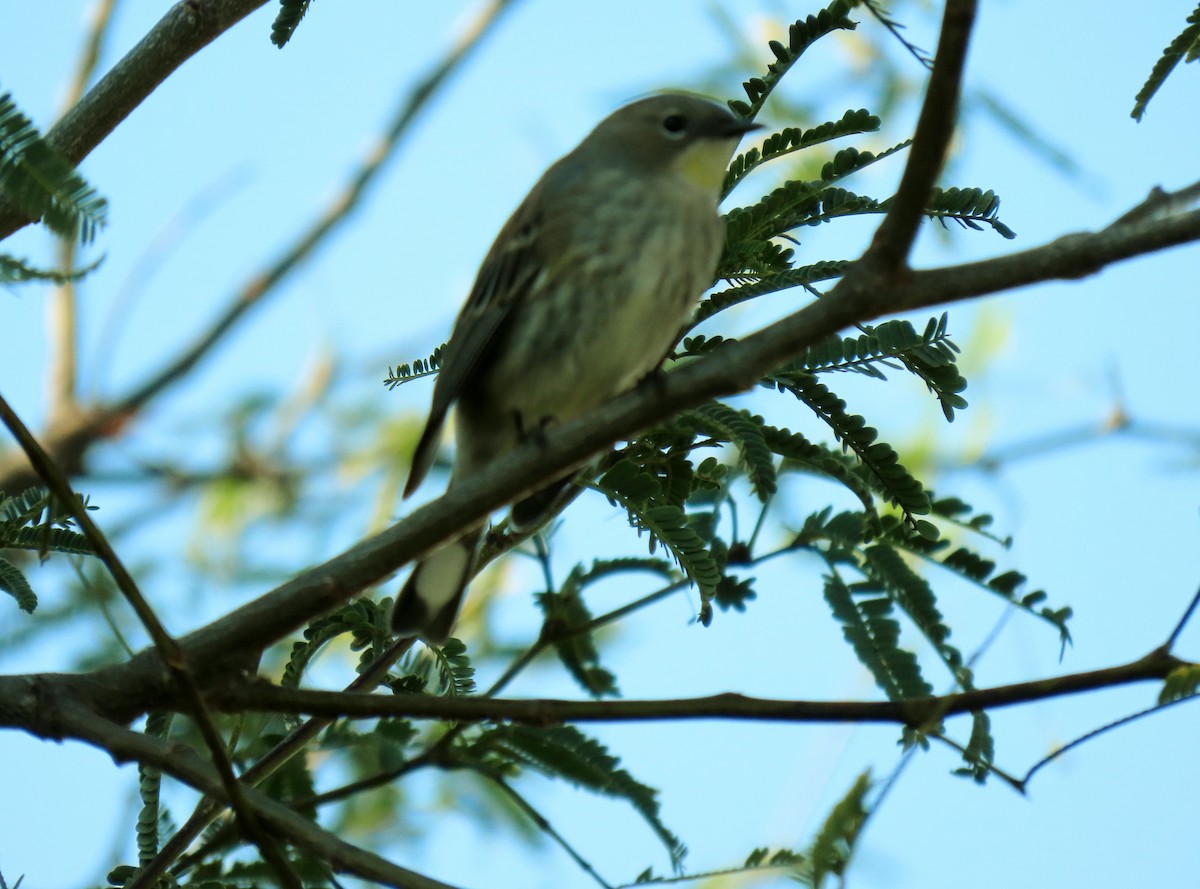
674 125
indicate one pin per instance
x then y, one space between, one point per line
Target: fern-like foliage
287 19
759 285
834 844
454 664
35 522
17 271
566 614
724 423
1185 46
969 207
980 752
641 494
806 202
915 597
363 620
792 139
878 458
930 355
41 184
801 35
149 786
565 752
970 565
415 370
865 613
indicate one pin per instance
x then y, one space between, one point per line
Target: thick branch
734 369
894 238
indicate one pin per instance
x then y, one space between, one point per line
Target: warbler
584 292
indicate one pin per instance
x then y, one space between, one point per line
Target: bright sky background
1109 527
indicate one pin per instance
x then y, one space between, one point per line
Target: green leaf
287 20
149 786
417 369
834 844
636 489
565 614
882 466
1180 683
773 283
800 453
17 271
455 666
41 184
916 598
980 752
565 752
1186 44
874 635
969 565
792 139
969 207
809 202
718 420
801 35
13 582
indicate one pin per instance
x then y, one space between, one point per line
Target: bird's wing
507 273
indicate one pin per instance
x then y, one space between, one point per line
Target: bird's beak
740 127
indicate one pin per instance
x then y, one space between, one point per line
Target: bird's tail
428 603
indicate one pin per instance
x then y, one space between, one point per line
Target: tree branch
893 240
186 28
265 697
736 368
181 762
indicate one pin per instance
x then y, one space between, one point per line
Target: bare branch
264 697
61 319
939 114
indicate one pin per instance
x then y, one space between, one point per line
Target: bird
584 292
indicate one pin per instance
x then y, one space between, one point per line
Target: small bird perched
584 292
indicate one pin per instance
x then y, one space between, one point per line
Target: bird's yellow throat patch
703 163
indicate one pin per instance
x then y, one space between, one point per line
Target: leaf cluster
34 522
1185 47
41 184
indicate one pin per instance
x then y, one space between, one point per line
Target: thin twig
544 825
1095 733
262 697
62 329
1183 621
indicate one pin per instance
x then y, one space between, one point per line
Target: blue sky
1109 527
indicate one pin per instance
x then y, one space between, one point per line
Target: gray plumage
583 293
